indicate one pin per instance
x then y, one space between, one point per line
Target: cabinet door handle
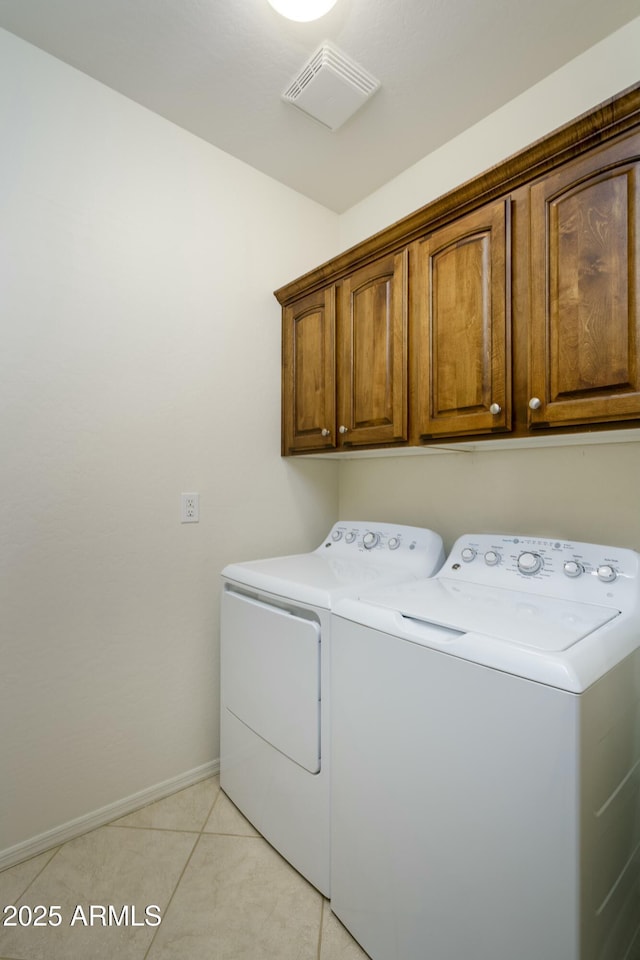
326 433
535 403
343 429
495 409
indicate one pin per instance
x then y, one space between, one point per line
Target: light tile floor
222 892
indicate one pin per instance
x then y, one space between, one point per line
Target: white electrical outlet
189 507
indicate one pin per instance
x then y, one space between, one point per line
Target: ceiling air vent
331 87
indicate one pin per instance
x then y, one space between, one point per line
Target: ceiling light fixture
303 10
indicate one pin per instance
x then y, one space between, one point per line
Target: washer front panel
461 844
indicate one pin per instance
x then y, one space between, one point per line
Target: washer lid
529 620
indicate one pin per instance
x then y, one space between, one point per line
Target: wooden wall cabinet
308 373
460 343
585 290
345 361
508 306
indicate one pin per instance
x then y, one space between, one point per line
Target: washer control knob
572 568
336 535
468 554
394 543
491 558
529 562
350 537
370 540
606 573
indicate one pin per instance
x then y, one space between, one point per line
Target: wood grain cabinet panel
460 337
508 305
308 380
372 359
345 361
585 290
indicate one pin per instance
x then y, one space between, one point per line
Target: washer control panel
382 542
559 568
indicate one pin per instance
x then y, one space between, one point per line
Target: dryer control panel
383 543
558 568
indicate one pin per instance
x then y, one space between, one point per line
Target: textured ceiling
218 68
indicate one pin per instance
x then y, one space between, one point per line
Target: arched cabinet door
461 327
372 355
585 290
308 373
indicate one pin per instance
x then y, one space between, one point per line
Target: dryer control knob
370 540
394 543
606 573
350 537
336 535
573 569
529 562
491 558
468 554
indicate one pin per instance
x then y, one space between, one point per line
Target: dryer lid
353 558
310 578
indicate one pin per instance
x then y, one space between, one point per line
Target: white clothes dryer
275 677
486 757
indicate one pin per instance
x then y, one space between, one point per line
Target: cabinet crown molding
603 123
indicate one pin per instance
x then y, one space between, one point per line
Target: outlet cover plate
189 507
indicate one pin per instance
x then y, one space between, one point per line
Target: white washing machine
486 757
275 677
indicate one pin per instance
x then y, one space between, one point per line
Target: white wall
140 357
585 493
601 72
574 492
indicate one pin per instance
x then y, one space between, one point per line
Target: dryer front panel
271 663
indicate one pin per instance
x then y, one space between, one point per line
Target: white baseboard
98 818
